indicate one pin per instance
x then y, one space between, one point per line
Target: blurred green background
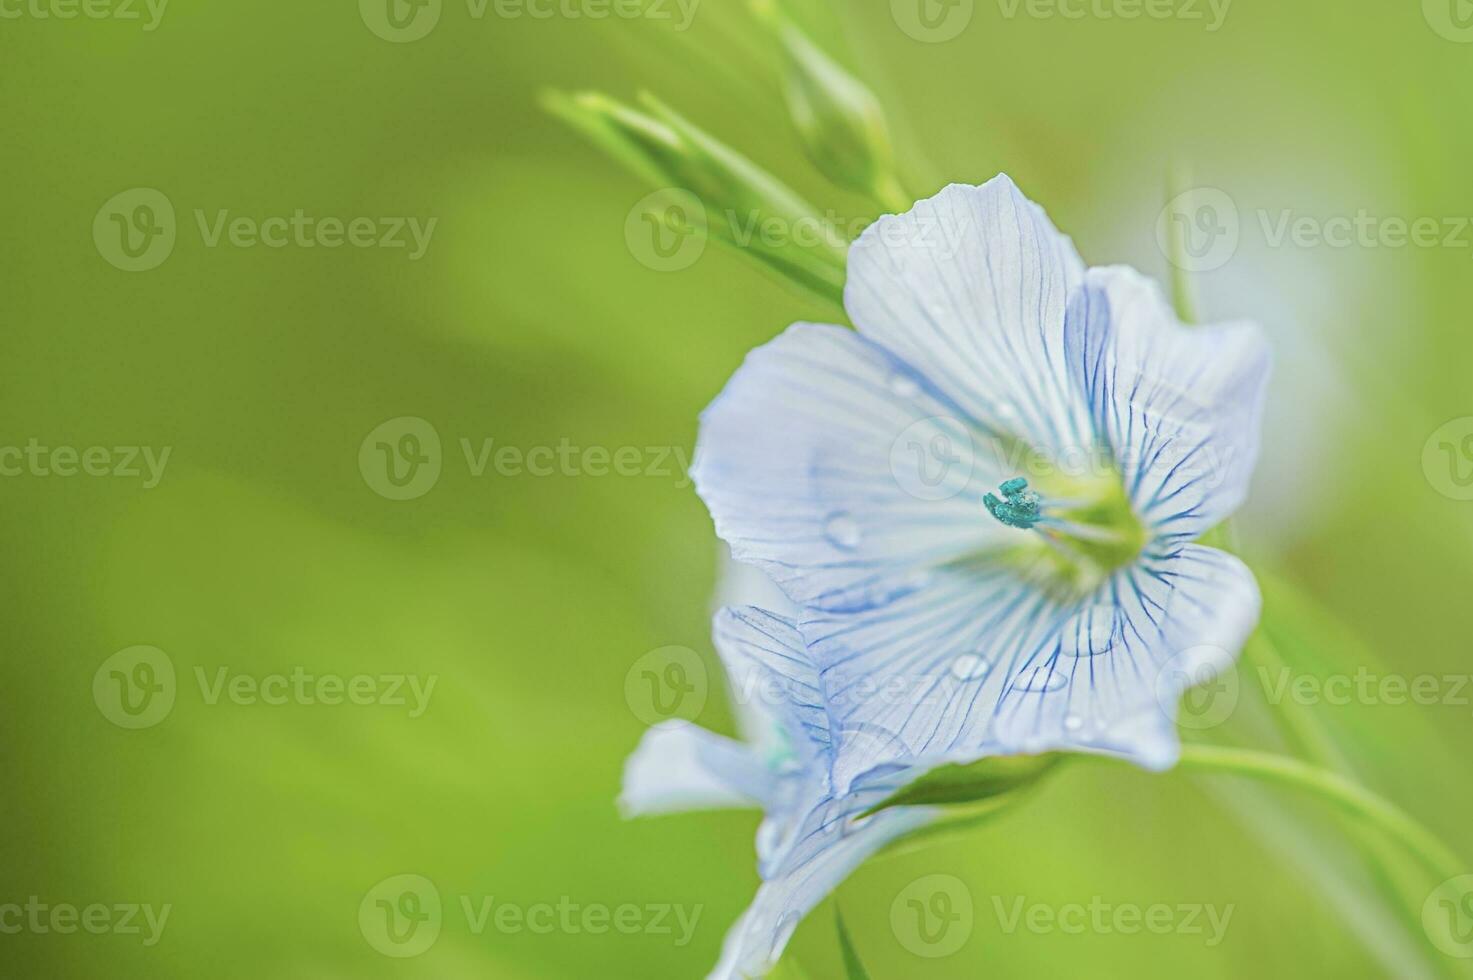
529 321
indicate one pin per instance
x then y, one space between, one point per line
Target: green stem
1296 721
1183 291
1304 732
1347 795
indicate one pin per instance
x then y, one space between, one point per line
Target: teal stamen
1088 528
1020 507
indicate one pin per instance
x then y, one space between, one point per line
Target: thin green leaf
853 968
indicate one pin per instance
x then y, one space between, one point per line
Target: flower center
1020 507
1089 527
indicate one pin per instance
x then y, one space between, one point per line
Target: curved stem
1296 722
1345 794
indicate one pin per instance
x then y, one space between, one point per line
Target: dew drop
1073 723
842 529
1041 679
1089 633
970 667
903 385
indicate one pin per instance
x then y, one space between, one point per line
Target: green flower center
1085 528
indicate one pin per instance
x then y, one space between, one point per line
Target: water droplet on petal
969 667
903 385
1073 723
842 530
1089 633
1041 679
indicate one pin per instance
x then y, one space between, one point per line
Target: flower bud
838 119
746 207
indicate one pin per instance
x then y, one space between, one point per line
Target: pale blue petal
804 461
767 650
1180 408
741 584
971 287
679 766
985 662
835 842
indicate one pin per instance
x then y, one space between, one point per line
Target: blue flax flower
985 500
